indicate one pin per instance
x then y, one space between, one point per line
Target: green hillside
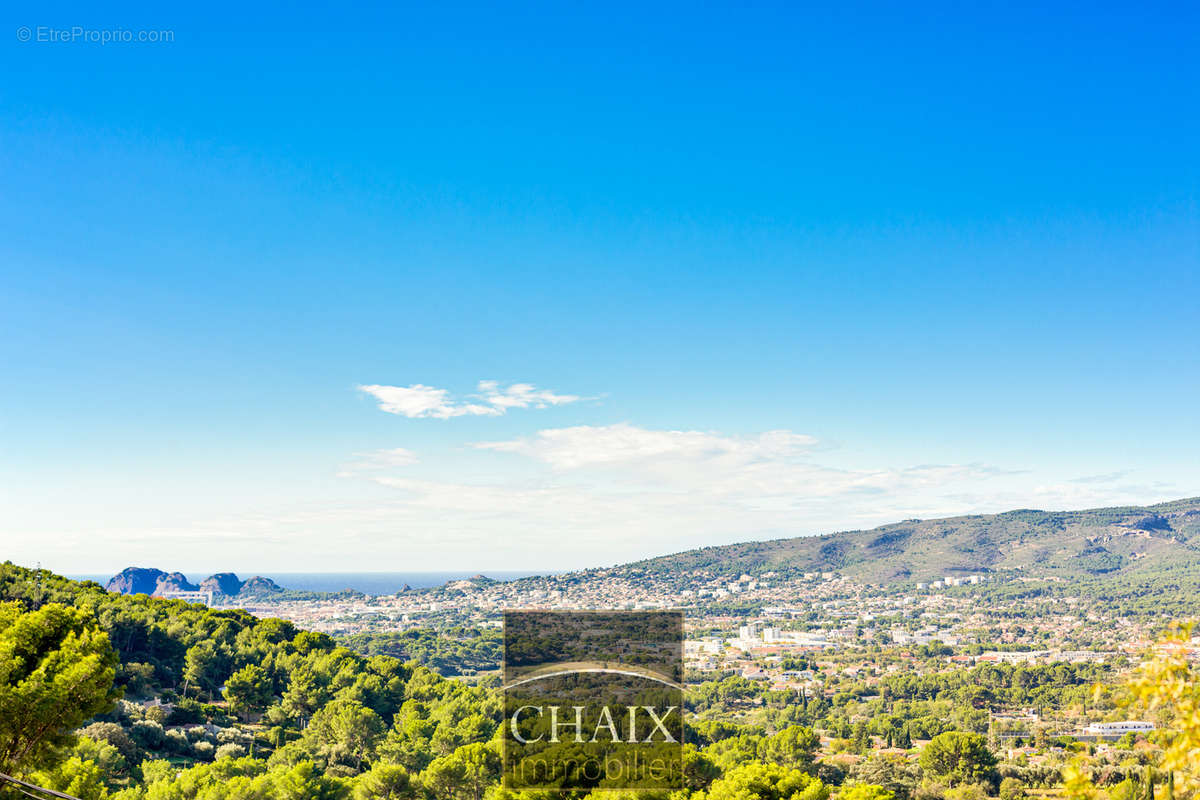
1126 542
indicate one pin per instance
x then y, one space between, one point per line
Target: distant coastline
371 583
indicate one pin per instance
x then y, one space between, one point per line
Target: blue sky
781 270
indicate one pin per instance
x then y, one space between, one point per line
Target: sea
373 583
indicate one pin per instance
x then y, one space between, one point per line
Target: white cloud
493 400
395 457
522 395
595 515
572 496
379 459
419 400
586 445
668 483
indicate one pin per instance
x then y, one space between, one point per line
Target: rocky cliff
146 580
257 584
135 580
225 583
174 582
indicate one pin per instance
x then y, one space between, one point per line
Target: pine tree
862 740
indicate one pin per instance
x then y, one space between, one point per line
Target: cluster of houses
952 580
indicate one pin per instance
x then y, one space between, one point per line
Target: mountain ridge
1112 541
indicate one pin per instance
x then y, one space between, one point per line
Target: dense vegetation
449 651
134 698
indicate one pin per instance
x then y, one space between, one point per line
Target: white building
1118 729
751 630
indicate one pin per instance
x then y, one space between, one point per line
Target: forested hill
130 697
1130 542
